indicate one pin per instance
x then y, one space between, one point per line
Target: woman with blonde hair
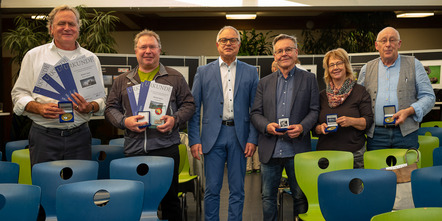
345 103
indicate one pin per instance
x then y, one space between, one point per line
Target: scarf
337 96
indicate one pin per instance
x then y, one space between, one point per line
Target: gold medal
66 116
388 120
331 128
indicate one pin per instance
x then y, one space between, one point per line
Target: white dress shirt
22 92
228 74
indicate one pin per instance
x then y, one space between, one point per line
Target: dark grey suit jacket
305 111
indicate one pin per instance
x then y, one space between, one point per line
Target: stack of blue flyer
151 97
69 76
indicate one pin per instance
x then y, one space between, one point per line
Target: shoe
257 171
248 171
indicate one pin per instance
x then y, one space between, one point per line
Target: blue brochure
48 93
132 99
64 71
144 88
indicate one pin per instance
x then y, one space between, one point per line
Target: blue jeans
384 138
271 173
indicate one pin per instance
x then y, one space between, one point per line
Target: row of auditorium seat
66 190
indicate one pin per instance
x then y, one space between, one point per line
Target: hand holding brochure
152 97
68 76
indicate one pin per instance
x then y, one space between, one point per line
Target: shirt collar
221 62
397 61
52 45
291 73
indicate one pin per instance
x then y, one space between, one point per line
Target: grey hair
60 8
226 27
284 36
146 32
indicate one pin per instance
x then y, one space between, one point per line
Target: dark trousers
49 144
170 205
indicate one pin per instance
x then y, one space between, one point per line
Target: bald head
388 29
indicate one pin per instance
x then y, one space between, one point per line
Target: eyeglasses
145 47
384 41
287 51
223 41
338 64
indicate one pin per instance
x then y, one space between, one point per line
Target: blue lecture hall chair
117 141
9 172
437 156
12 146
50 175
110 200
104 154
19 201
356 194
95 141
426 186
156 174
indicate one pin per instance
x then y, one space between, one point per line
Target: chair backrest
437 156
12 146
95 141
117 141
9 172
378 159
432 124
309 165
19 201
184 160
426 186
104 154
356 194
50 175
155 172
314 143
21 157
427 214
426 146
100 200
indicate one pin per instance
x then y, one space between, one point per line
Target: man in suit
226 89
288 94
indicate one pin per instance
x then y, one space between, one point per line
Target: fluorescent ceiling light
240 16
414 14
38 17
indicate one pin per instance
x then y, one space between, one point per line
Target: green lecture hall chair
414 214
21 157
378 159
187 183
427 144
432 124
308 166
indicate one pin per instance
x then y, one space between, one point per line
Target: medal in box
332 126
283 124
389 111
146 115
68 109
